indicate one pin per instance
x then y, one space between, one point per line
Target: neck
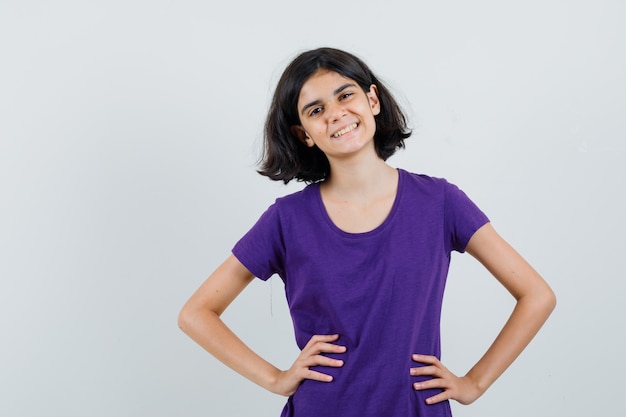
360 177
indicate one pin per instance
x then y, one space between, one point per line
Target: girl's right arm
200 320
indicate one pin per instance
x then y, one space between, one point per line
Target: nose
336 112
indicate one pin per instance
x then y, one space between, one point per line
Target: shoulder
280 217
292 207
424 183
297 198
437 191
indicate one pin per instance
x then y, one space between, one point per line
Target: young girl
363 251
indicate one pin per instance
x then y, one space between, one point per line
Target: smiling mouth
345 130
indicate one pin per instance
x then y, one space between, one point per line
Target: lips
345 130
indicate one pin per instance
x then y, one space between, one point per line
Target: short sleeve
462 218
261 249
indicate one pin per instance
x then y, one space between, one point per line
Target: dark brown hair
284 156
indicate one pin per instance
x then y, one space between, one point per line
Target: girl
363 251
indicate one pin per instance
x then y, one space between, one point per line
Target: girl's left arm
535 302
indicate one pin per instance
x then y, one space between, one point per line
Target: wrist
477 385
273 383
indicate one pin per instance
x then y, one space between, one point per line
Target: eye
345 95
315 111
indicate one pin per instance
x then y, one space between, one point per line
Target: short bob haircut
284 156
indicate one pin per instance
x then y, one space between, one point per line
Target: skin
358 195
330 102
534 303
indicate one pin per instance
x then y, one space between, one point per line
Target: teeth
345 130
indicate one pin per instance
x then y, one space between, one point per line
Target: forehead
322 84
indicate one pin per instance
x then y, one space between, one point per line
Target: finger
429 359
430 384
323 347
320 360
314 351
329 348
318 376
438 398
427 371
320 339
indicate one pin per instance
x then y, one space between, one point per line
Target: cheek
317 128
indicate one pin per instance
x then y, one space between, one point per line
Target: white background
129 133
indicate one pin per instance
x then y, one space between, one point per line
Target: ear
299 132
372 95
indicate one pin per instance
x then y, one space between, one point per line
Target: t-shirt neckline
378 229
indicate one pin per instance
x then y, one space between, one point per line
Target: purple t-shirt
381 291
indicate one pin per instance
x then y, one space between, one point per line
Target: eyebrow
316 102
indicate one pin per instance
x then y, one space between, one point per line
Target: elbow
541 300
194 318
551 300
547 301
185 318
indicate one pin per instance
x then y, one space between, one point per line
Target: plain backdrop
129 135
